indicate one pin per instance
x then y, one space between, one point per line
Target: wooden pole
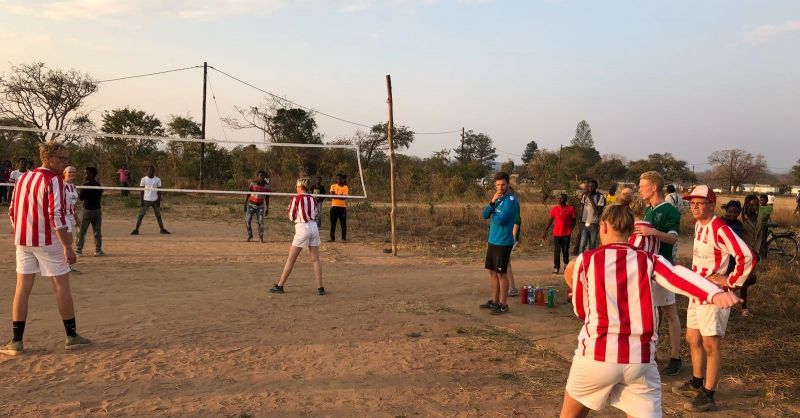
390 134
203 126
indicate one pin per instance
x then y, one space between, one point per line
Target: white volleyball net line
94 134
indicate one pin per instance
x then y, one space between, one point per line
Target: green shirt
664 218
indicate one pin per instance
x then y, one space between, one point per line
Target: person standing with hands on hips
593 204
339 207
502 211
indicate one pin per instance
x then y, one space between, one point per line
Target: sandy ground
183 326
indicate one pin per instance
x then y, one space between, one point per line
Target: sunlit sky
687 77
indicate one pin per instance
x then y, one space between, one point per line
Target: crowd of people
620 285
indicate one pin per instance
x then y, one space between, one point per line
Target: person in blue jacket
502 211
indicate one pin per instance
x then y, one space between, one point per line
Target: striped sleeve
741 253
57 203
293 209
580 295
679 279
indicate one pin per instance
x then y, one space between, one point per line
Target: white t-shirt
16 174
150 185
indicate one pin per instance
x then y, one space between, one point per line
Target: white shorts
662 296
48 260
70 223
709 319
633 388
306 235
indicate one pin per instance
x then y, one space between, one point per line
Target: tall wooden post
463 136
390 134
203 126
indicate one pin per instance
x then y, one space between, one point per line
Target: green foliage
583 136
376 142
576 161
544 169
673 169
609 171
796 172
530 151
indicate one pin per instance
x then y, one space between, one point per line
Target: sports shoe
746 312
12 348
513 291
555 271
498 309
685 389
78 252
672 368
249 238
276 289
164 232
135 232
702 402
76 342
330 240
488 305
321 291
99 253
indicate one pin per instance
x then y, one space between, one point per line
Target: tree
734 167
796 172
482 149
609 171
507 167
576 161
377 140
283 124
130 122
44 98
673 169
544 169
529 152
184 156
583 136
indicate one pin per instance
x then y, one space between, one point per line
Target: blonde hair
51 148
71 167
304 183
618 218
656 178
634 202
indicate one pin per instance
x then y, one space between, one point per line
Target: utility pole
390 134
203 126
463 136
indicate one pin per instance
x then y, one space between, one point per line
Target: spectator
593 204
92 213
562 219
124 176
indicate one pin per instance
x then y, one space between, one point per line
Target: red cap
702 191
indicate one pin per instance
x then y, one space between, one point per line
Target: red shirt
38 208
564 219
612 294
649 244
255 198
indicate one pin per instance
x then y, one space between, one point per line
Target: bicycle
782 246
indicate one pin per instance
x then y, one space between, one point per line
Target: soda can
540 296
531 295
551 298
523 293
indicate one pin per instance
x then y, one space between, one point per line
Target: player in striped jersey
39 218
71 196
303 212
715 247
612 294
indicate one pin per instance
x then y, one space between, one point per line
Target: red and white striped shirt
303 208
38 208
612 293
647 243
71 194
716 246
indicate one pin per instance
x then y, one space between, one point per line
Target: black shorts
498 257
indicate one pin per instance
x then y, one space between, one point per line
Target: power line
438 133
219 116
149 74
273 95
508 153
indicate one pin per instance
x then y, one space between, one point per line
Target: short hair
91 170
654 177
502 175
619 219
733 204
564 195
634 203
260 172
343 176
303 182
21 159
72 167
763 196
49 149
670 188
612 188
592 181
750 197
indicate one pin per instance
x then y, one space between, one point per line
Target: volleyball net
11 133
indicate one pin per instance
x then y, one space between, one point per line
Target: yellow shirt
339 190
610 200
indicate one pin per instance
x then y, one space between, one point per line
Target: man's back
38 207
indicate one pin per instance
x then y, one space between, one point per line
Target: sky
686 76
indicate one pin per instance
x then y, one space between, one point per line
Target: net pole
389 134
203 126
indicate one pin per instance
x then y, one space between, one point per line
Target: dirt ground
184 326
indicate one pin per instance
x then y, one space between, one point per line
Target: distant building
766 188
795 189
747 188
